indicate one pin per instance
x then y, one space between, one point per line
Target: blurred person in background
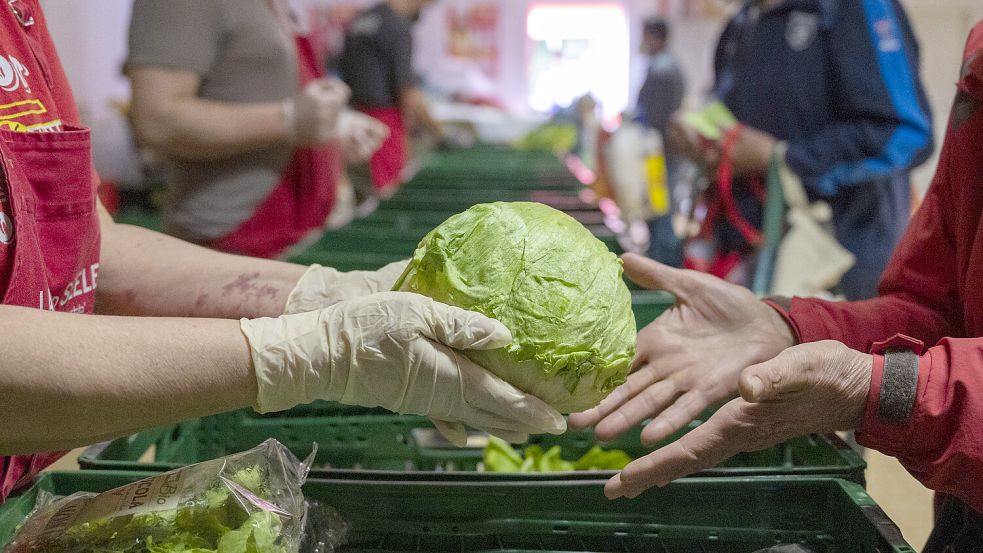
377 64
833 88
255 138
662 92
660 97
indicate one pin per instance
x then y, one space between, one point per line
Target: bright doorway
578 49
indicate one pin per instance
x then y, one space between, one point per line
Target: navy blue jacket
838 80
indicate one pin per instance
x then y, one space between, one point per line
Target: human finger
675 417
646 404
454 432
635 383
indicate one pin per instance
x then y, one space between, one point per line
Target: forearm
202 129
414 107
846 154
150 274
167 115
91 378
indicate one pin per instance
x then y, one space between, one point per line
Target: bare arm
413 104
168 115
103 377
149 274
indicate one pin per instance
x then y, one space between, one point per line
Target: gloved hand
690 357
395 350
816 387
361 136
312 116
322 287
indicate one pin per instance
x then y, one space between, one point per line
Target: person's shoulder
368 22
392 22
974 46
971 76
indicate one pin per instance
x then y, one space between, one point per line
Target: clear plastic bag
250 502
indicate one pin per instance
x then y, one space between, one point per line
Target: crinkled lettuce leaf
551 282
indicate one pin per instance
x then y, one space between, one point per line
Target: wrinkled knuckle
688 452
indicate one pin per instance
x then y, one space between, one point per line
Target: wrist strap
899 385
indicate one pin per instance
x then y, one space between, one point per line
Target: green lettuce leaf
213 522
551 282
500 456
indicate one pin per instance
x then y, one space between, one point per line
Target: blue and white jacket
838 80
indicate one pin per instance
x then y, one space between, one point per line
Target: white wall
91 39
942 28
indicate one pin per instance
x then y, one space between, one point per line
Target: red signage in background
326 25
472 34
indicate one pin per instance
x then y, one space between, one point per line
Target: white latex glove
361 136
312 116
322 287
395 350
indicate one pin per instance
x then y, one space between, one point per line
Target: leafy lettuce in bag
249 502
551 282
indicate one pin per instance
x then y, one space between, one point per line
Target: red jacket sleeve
941 444
918 293
938 438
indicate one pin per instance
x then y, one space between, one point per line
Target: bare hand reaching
690 357
817 387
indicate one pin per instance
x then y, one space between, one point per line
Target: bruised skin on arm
145 273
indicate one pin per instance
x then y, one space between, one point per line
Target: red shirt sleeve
941 444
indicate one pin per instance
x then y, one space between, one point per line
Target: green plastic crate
386 446
431 217
143 219
456 203
721 515
516 181
367 238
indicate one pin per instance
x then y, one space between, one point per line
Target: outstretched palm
690 357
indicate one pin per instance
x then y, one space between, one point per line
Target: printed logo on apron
801 30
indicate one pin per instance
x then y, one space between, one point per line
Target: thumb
654 275
326 90
460 329
790 372
453 432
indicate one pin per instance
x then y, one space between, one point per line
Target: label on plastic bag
250 495
158 493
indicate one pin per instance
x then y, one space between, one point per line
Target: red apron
389 161
52 260
301 202
49 226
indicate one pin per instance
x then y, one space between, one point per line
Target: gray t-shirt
243 54
377 63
